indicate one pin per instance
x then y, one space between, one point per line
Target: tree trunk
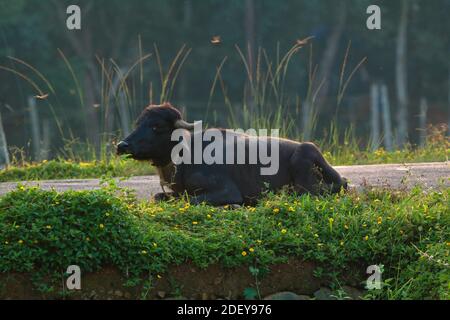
402 76
35 129
249 26
250 32
375 115
448 124
46 138
423 121
187 22
329 55
386 115
90 113
4 156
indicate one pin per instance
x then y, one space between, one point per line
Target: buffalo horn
181 124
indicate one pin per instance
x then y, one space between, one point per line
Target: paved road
395 176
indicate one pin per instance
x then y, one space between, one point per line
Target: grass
407 232
66 169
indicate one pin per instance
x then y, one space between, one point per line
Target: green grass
63 169
45 231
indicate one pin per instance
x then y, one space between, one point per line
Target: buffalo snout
123 147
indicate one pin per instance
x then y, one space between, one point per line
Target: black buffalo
301 165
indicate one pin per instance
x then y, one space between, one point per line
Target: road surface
396 176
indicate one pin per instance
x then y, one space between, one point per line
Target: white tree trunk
423 121
375 115
4 156
35 129
386 115
448 124
402 76
46 137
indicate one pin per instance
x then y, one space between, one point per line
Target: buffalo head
151 139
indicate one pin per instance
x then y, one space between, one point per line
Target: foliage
45 231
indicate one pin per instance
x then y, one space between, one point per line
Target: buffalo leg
213 189
312 173
164 196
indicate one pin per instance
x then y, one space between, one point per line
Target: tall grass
124 90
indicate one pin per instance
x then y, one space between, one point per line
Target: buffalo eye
158 129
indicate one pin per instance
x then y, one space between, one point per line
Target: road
396 176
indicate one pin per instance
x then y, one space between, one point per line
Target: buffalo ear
181 124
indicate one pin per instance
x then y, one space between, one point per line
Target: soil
183 281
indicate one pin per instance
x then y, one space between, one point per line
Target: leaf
250 293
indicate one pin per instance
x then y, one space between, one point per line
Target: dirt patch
186 280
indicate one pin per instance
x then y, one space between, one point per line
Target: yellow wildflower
276 210
366 238
101 225
143 252
283 230
48 227
84 164
244 253
194 222
20 241
251 250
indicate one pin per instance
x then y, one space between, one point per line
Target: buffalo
302 167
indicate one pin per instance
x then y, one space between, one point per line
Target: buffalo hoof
162 196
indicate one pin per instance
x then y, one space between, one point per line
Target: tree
401 75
